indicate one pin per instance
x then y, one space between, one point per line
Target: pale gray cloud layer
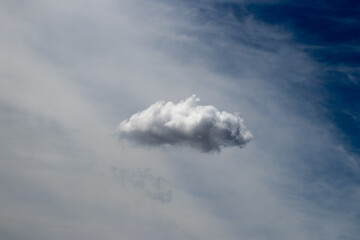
70 70
185 123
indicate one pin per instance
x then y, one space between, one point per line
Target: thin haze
72 70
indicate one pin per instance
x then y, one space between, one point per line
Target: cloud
57 118
143 178
186 123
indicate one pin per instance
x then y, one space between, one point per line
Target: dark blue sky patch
330 28
314 22
330 32
336 55
343 106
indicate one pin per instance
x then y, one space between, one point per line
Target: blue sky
72 71
329 33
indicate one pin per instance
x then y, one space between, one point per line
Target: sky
268 148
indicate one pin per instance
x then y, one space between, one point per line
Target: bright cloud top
186 123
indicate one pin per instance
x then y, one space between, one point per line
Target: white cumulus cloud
185 123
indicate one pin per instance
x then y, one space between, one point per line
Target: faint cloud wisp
144 179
